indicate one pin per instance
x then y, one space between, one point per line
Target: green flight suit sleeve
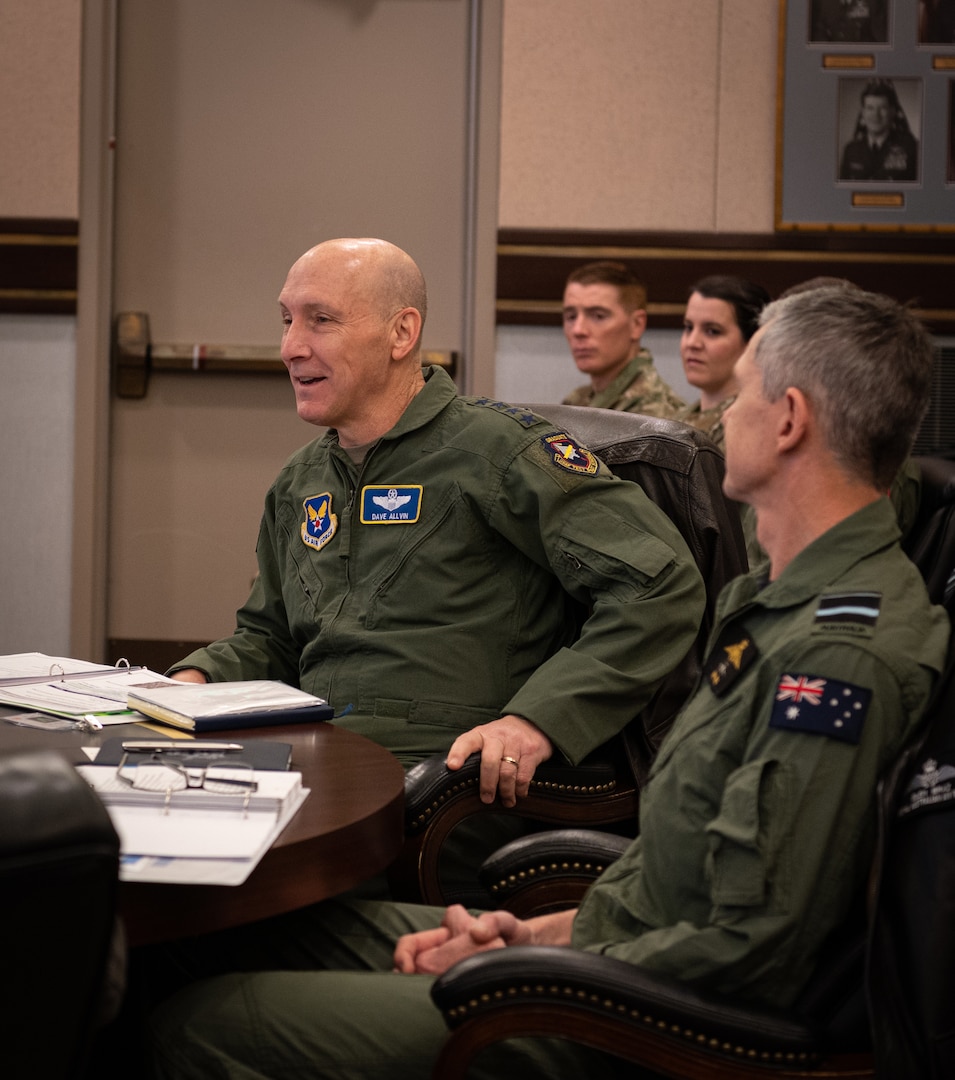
613 549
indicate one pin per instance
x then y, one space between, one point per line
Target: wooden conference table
347 830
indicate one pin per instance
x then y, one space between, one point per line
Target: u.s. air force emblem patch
569 454
383 505
320 524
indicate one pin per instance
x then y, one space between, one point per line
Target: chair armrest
613 1006
599 791
550 870
559 792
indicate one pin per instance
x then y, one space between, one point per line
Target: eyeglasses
167 775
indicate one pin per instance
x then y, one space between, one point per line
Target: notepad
214 706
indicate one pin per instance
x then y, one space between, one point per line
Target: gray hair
863 360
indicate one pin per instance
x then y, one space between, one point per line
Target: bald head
352 313
383 275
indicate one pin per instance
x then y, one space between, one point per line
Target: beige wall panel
249 131
39 108
746 161
609 114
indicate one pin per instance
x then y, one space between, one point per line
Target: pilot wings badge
320 524
383 505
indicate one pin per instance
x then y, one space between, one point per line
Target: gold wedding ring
511 760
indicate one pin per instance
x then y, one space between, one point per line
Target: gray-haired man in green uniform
757 824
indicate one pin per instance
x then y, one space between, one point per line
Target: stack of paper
75 689
199 837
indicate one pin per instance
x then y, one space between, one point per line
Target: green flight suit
757 828
639 388
444 582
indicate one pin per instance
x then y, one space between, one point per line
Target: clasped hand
432 952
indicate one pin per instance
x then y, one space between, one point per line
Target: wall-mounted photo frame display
865 115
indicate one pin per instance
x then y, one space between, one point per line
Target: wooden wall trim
38 265
532 266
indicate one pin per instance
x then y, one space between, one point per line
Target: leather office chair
930 541
59 862
681 471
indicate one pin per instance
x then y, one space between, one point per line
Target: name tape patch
384 505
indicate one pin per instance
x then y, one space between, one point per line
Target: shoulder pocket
626 560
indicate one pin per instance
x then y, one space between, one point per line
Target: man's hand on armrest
511 749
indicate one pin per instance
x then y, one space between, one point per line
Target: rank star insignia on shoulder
516 412
818 706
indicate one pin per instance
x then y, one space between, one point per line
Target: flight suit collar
826 559
438 392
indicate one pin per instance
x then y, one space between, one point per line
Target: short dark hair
746 298
633 293
864 360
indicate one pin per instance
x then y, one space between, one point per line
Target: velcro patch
859 607
569 454
384 505
731 656
816 706
320 524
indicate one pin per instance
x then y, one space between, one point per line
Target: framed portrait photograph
865 104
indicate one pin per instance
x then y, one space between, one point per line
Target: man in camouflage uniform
604 318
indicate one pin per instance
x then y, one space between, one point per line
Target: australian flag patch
569 454
816 706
